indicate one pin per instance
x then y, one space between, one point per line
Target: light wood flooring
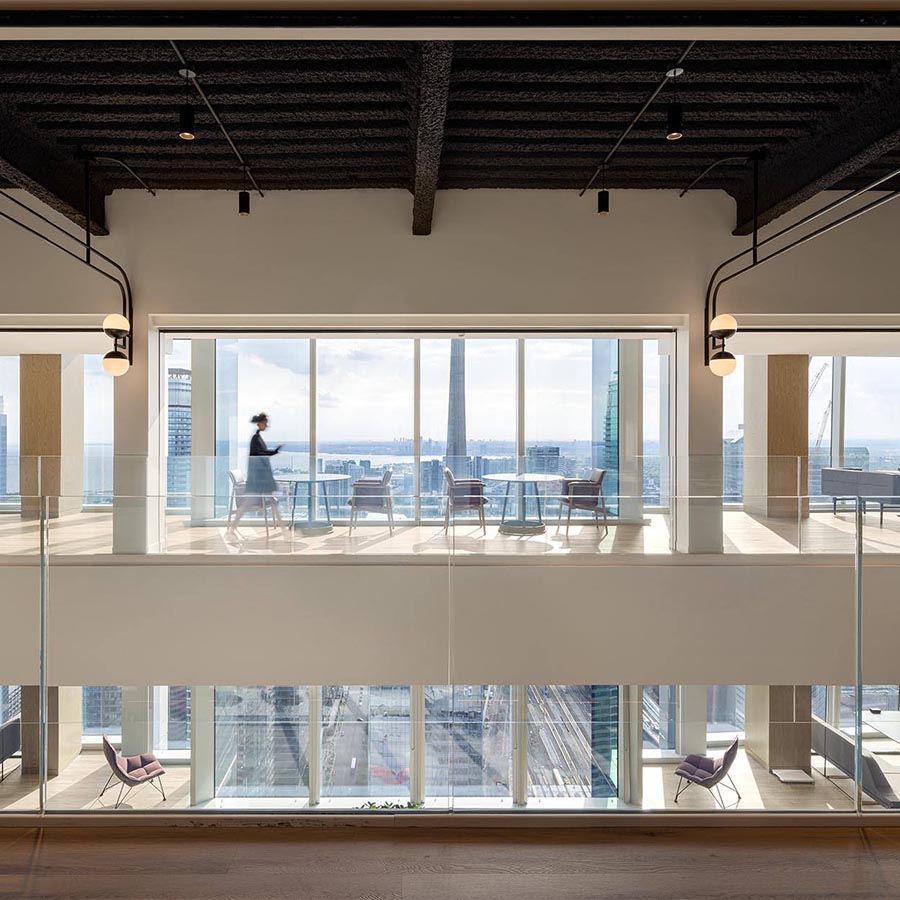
91 533
357 863
79 785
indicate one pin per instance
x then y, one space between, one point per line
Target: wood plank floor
385 863
822 532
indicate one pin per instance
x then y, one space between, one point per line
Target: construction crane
818 378
825 419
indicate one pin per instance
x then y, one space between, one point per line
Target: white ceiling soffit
14 343
831 343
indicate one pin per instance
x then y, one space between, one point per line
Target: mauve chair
132 771
462 494
372 494
708 773
580 493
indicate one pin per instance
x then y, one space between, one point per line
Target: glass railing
771 703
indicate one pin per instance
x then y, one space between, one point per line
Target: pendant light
603 196
244 197
723 326
674 112
722 363
116 326
115 363
186 130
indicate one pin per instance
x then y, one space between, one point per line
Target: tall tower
4 449
457 458
179 421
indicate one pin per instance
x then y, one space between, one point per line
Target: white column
690 732
631 430
698 520
315 744
666 417
203 744
137 719
519 744
838 408
520 405
631 739
417 743
203 430
417 428
139 492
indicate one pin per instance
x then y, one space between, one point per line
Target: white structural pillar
51 442
631 430
698 508
315 744
203 430
690 732
520 744
139 490
203 744
137 719
838 409
631 740
417 744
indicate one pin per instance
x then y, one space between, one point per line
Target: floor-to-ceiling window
821 370
9 429
872 412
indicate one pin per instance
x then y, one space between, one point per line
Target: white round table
311 525
521 524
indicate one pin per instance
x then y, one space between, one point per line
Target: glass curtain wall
9 430
872 413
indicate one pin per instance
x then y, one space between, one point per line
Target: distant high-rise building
4 449
179 445
611 426
542 459
457 458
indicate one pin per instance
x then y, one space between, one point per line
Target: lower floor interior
260 863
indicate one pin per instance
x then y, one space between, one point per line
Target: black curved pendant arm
124 284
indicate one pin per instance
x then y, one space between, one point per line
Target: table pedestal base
314 529
522 527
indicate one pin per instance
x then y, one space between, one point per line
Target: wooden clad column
64 728
776 435
51 426
778 725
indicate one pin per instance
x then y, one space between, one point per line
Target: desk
522 524
311 525
886 723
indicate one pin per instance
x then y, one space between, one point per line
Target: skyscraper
4 449
179 441
457 458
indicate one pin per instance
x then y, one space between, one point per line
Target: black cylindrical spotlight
244 203
186 122
674 122
603 202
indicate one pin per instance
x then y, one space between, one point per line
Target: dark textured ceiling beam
285 115
688 94
154 137
587 132
432 92
842 146
740 112
28 162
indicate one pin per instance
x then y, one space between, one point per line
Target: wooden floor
385 863
822 532
78 788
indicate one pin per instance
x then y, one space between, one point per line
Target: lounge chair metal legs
106 786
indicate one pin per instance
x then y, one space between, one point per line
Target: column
690 734
698 509
778 725
417 744
64 728
139 491
315 744
51 417
776 435
631 740
838 408
137 719
203 430
519 744
631 431
203 744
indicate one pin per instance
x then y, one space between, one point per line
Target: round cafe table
311 525
521 524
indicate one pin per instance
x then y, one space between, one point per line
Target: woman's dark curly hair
259 417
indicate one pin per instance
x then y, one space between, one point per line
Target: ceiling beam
432 91
840 147
29 162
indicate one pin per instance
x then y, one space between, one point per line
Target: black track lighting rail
191 75
715 283
710 167
121 279
669 76
128 169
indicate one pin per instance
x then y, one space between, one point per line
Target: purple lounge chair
372 493
709 773
132 771
580 493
